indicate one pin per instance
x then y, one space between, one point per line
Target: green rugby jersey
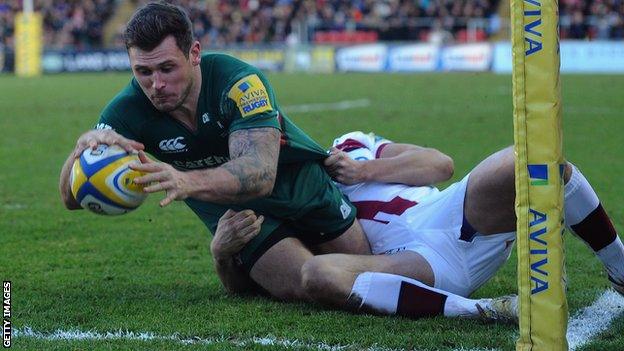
234 95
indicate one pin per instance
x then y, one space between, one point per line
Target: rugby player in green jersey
223 143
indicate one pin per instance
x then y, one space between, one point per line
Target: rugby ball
102 182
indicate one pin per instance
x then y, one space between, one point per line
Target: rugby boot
499 309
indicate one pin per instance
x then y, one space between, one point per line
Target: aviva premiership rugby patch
250 96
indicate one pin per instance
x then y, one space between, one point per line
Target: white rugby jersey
387 212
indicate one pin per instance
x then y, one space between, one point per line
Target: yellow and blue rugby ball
102 182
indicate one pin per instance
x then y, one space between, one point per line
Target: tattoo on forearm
253 153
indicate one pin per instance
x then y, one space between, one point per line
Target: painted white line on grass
587 323
77 335
329 106
13 206
594 319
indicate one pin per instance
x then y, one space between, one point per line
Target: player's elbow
441 165
67 197
265 191
446 167
256 186
69 202
266 182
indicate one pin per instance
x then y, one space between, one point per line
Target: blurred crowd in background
217 23
66 23
597 19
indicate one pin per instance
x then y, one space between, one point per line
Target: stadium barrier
85 61
576 57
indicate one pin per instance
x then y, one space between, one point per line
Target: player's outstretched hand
162 177
234 231
344 169
92 138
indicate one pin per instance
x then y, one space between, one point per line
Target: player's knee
506 168
317 275
509 157
447 167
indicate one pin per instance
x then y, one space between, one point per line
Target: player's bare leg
279 272
329 278
357 283
353 241
490 194
489 208
489 205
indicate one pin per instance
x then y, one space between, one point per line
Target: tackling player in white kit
431 248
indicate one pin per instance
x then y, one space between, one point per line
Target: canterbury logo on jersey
101 126
172 145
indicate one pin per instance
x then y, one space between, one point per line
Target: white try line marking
594 319
75 334
329 106
587 323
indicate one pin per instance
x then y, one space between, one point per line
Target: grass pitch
151 271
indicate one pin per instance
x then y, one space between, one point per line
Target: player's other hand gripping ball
102 182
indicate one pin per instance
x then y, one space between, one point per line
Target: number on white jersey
370 209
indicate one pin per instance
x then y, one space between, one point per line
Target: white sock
580 198
612 256
394 294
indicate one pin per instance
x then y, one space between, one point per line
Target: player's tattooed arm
253 154
249 174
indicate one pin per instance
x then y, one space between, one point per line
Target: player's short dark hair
152 23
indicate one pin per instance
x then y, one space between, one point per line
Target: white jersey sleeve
361 146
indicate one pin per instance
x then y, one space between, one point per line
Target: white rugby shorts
459 265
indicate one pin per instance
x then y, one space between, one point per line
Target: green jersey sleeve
249 101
